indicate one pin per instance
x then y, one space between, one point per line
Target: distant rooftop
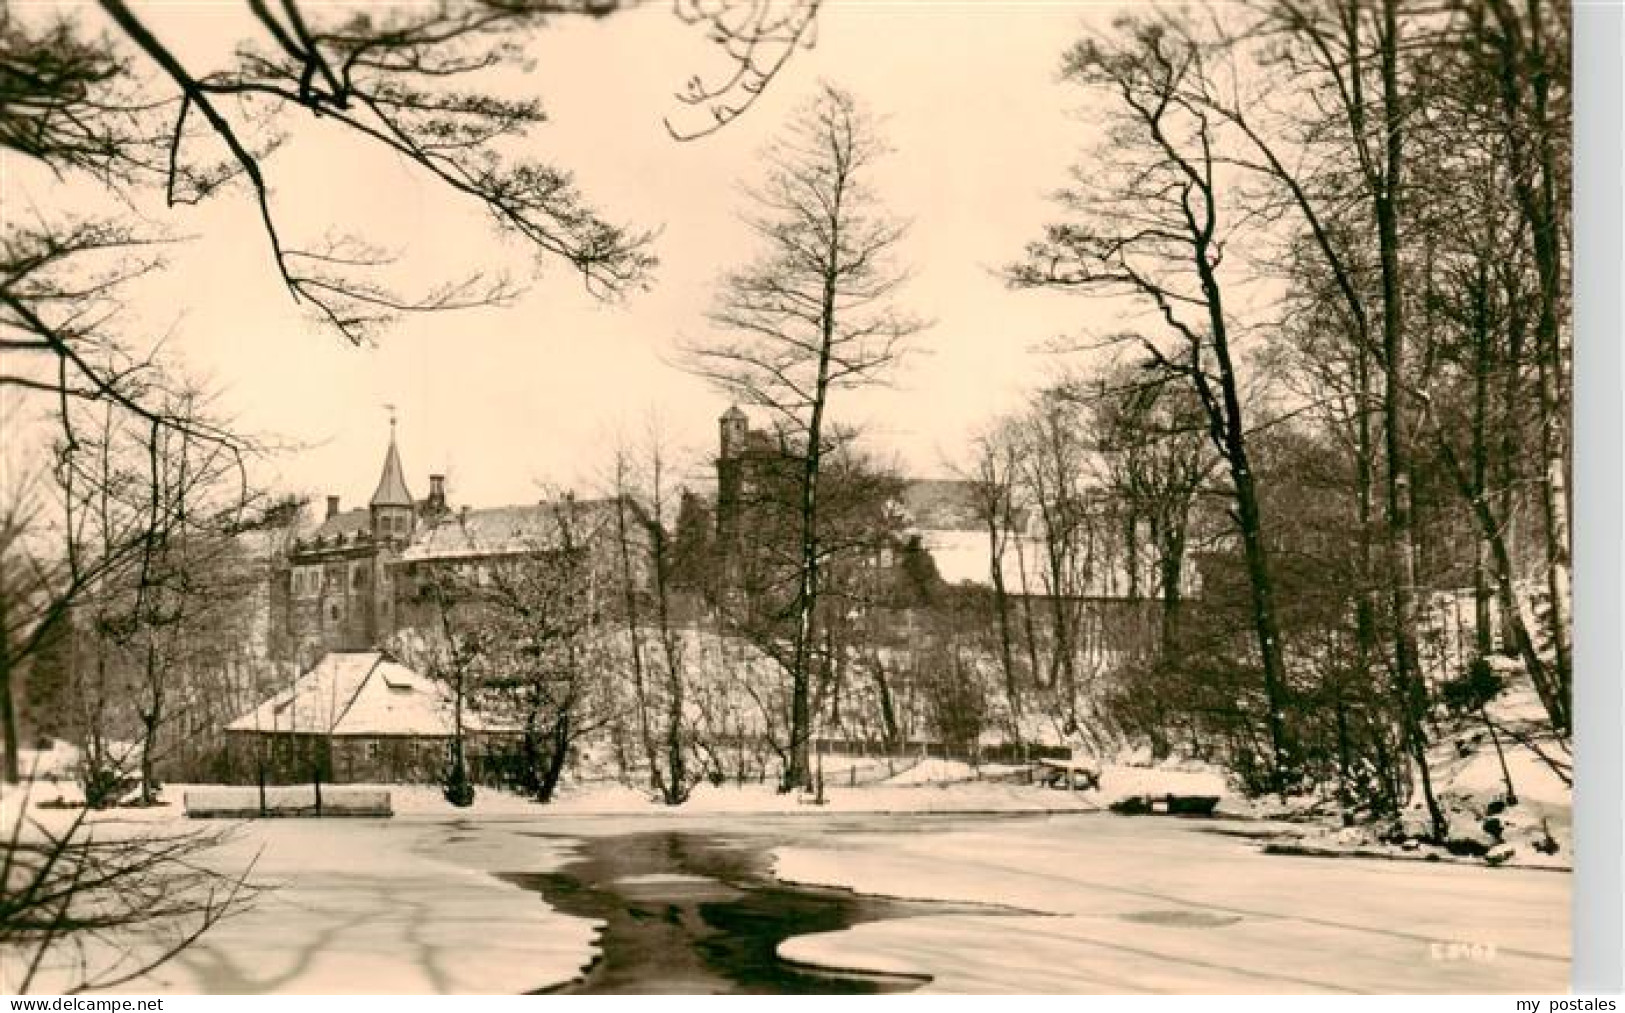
942 505
509 530
358 693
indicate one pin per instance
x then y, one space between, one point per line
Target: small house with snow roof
358 716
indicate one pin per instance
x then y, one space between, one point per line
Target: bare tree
1526 53
546 615
811 316
85 907
646 508
1154 227
1051 471
454 652
1151 434
1357 50
758 38
993 490
124 105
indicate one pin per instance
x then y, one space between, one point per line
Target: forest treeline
1300 494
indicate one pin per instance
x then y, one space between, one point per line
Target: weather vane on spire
390 408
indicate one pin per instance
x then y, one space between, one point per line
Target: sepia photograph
789 496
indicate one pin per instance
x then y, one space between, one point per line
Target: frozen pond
685 912
717 903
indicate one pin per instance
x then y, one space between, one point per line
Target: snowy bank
1099 904
1505 804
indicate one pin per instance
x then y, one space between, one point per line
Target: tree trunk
151 717
798 771
1001 611
1063 667
1171 562
1500 756
1345 761
1534 178
677 784
1283 759
558 753
1483 594
888 709
1517 631
1226 424
8 706
1365 612
1508 448
1402 577
635 643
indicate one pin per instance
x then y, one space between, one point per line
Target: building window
358 576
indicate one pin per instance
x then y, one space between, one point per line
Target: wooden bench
302 801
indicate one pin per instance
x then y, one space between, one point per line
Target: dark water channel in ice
696 913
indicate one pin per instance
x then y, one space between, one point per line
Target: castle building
334 593
941 516
357 578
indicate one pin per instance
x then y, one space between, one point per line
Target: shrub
104 786
1474 688
456 787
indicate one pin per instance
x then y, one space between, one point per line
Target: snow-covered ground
1476 775
365 906
411 904
907 793
1081 900
1115 904
1087 901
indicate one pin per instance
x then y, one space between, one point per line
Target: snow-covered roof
962 557
934 504
348 523
357 693
508 530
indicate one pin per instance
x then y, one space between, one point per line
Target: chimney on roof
332 507
437 494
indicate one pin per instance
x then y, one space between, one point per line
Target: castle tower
391 504
733 439
733 428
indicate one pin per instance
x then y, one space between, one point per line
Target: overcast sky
506 399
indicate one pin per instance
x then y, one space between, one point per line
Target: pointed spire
392 489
